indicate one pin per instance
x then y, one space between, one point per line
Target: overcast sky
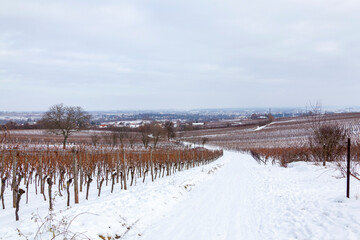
161 54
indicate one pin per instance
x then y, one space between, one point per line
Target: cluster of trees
15 125
65 120
148 135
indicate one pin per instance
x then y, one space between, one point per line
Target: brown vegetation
315 137
36 165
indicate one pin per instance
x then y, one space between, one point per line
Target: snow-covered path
247 201
220 209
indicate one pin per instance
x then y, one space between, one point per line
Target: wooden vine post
41 174
81 171
3 183
348 170
151 166
68 182
17 204
2 164
140 154
202 158
117 167
168 165
178 161
76 184
14 185
124 170
50 183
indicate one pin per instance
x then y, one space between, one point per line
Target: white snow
259 128
231 198
262 127
248 201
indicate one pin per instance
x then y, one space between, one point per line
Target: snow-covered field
231 198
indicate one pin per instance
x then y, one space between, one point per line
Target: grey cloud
183 54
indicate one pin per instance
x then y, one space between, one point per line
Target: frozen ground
247 201
232 198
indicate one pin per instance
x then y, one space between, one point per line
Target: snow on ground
259 128
248 201
262 127
111 214
231 198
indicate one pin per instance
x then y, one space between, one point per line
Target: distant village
136 119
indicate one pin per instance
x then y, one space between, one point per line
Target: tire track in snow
223 208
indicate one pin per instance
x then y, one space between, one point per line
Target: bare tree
327 142
122 135
111 139
65 120
327 137
145 134
204 140
315 116
270 117
145 139
156 131
170 130
132 138
179 137
94 139
5 134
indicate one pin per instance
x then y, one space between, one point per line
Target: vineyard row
77 169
